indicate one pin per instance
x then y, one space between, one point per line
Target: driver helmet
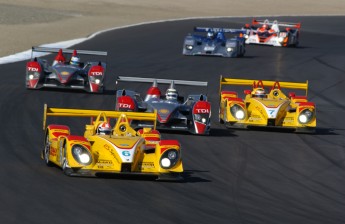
103 128
263 28
75 60
259 92
171 94
210 35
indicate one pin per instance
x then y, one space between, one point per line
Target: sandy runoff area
27 23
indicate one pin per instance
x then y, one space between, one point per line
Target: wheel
241 52
64 164
220 120
46 150
67 171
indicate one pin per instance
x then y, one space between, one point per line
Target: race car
107 149
274 33
192 114
215 42
266 105
68 74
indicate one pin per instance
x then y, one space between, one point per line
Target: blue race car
215 42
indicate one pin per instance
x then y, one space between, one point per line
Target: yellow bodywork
124 151
275 109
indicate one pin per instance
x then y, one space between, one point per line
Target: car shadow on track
75 91
215 132
327 131
190 177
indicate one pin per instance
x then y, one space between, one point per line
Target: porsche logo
163 111
64 73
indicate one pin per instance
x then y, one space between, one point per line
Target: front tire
64 164
67 171
221 121
46 150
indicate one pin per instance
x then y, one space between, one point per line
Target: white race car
280 34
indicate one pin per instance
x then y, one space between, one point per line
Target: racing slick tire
67 171
221 121
46 150
64 165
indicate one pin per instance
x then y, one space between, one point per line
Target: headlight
281 39
36 75
305 116
246 36
202 118
81 154
189 47
229 49
237 112
93 79
169 158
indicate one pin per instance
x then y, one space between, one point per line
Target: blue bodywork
215 42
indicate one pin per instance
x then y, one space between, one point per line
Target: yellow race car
266 105
105 149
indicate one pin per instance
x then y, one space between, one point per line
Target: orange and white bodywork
274 33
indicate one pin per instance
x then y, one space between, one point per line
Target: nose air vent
126 167
271 122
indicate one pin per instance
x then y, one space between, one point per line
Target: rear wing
275 22
68 51
164 81
215 30
65 112
250 82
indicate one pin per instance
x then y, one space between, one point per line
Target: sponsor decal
126 153
163 111
64 73
33 69
288 120
146 165
96 73
110 150
124 105
209 48
202 111
104 163
251 119
152 142
53 151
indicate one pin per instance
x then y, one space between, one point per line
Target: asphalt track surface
232 176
